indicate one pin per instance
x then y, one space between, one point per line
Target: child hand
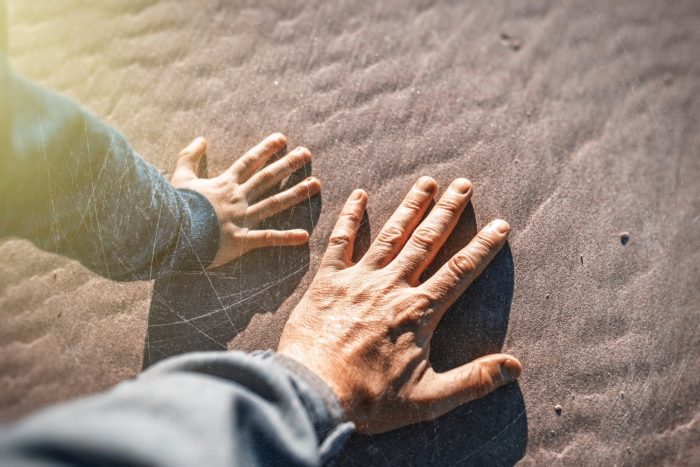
238 195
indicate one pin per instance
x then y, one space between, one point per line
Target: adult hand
365 328
238 194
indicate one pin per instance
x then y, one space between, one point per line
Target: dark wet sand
576 121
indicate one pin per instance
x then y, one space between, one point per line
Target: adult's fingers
340 244
439 393
395 232
282 201
266 178
188 161
256 157
452 279
431 234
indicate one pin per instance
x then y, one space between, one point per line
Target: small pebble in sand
622 394
512 42
581 259
624 238
557 409
515 44
546 297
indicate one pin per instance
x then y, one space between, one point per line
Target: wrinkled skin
238 194
365 328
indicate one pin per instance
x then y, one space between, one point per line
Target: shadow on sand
488 431
205 310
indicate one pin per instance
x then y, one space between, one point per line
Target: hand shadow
205 310
487 431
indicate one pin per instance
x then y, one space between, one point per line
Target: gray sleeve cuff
324 394
197 242
273 377
330 422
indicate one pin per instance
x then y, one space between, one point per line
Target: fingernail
279 138
500 226
357 195
311 180
461 185
426 184
509 373
303 151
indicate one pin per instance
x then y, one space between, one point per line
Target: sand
576 121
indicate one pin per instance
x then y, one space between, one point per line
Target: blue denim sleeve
73 186
213 409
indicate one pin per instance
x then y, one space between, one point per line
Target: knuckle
407 316
351 217
270 145
266 174
289 160
235 196
412 204
242 233
339 239
483 382
245 162
390 235
424 237
275 204
426 298
462 264
487 241
292 162
298 193
451 205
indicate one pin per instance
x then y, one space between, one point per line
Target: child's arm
74 186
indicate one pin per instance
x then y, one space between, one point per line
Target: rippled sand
576 121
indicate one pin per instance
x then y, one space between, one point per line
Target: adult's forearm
216 408
74 186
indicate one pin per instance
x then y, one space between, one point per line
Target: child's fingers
268 207
256 157
266 178
188 160
265 238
